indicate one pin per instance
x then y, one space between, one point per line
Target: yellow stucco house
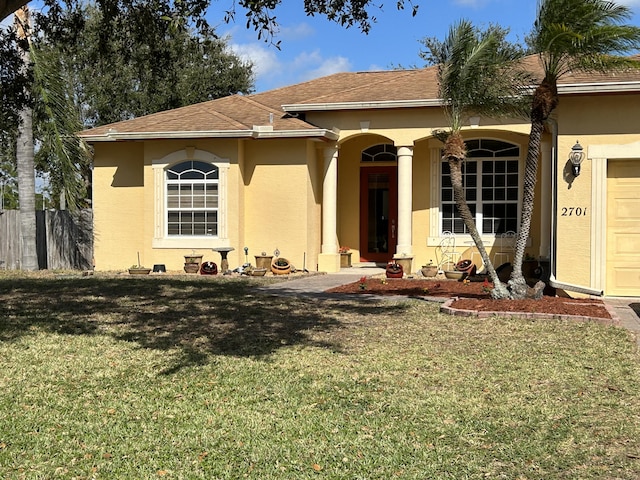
350 160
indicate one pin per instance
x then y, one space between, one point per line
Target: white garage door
623 228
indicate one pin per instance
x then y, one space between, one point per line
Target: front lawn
189 377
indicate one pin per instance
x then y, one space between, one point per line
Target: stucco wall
118 198
592 122
273 201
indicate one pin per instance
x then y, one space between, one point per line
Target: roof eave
115 136
308 107
601 87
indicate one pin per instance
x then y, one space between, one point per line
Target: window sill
190 242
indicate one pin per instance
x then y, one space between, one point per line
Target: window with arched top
384 152
491 177
192 198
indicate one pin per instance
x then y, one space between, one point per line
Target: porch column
405 194
329 258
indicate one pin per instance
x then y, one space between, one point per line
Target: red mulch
472 296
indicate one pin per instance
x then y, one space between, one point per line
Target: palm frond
479 73
582 35
60 150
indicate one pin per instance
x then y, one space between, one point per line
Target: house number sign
574 211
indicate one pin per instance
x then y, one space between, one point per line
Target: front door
378 213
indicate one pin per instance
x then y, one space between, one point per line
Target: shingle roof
238 114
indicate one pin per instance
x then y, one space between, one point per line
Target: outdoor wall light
576 156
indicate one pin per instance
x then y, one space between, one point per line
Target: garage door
623 228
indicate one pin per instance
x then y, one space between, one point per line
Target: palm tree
25 155
568 35
478 74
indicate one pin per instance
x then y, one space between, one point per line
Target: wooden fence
64 241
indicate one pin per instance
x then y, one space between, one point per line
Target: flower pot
455 275
191 267
394 270
429 271
263 261
258 272
345 260
209 268
197 259
139 271
280 266
466 266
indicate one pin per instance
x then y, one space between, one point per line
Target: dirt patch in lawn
474 296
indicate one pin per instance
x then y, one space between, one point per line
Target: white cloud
264 57
272 71
326 66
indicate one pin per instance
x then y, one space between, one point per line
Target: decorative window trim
435 217
160 237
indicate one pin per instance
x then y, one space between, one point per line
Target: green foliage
479 72
583 35
139 62
61 153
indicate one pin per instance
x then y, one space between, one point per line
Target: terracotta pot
466 266
191 267
197 259
394 270
280 266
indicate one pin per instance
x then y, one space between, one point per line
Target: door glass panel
378 213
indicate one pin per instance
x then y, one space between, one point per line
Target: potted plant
192 262
139 269
394 270
429 270
280 266
345 257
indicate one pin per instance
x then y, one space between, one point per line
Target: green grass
192 377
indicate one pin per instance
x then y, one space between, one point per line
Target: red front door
378 213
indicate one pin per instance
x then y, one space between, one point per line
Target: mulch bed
473 296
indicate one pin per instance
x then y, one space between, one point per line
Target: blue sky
313 47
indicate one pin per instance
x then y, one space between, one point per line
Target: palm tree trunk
528 197
453 146
27 191
26 169
545 100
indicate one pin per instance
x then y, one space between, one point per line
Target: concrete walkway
315 286
628 311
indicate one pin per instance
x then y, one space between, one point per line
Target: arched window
491 175
192 199
384 152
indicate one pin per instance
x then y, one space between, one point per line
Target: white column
405 195
330 201
329 258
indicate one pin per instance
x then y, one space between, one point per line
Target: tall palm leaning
568 35
478 74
